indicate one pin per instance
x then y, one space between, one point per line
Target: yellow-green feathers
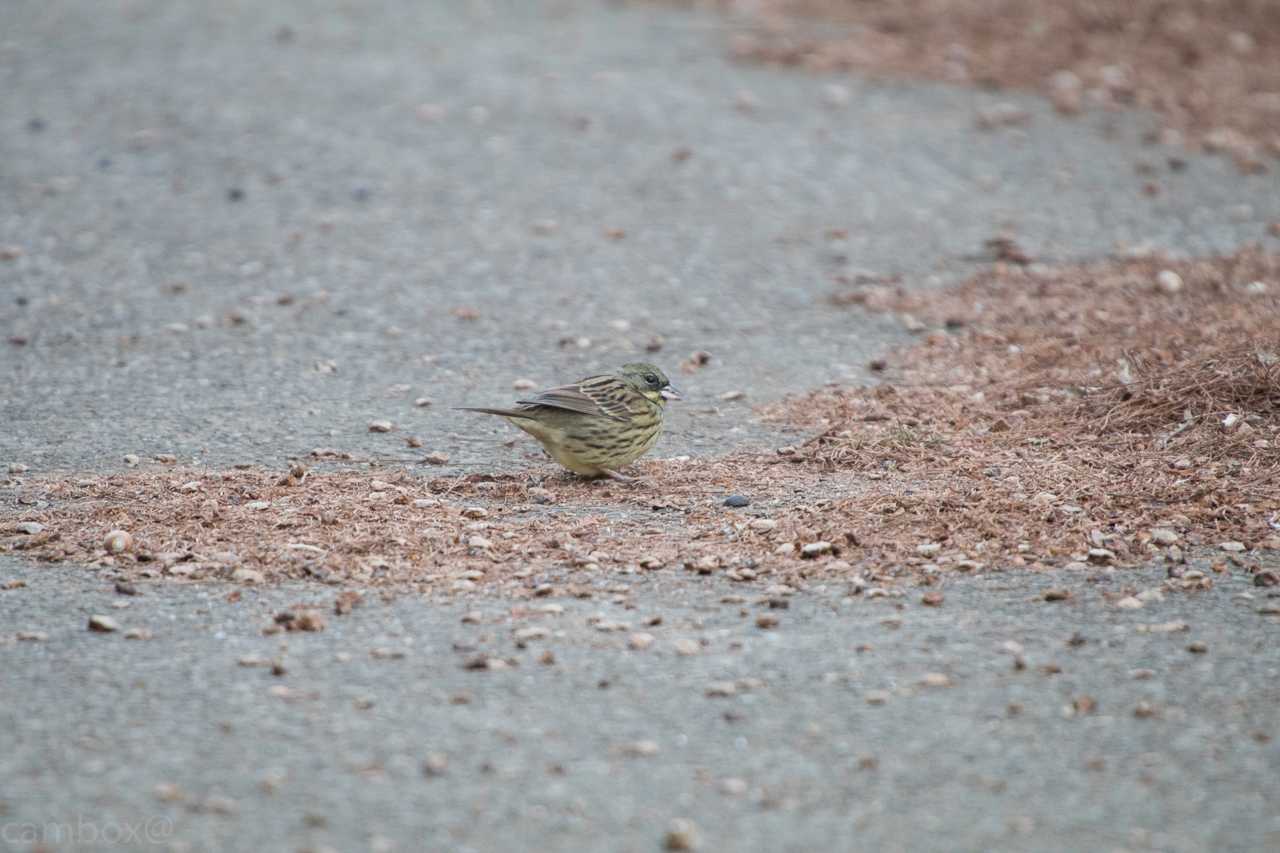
598 424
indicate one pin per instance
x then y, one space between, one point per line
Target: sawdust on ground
1211 71
1095 415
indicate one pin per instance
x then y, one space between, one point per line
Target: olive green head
649 381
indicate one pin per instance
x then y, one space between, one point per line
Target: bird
598 424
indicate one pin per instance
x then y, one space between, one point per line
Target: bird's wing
602 396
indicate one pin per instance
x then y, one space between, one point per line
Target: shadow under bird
598 424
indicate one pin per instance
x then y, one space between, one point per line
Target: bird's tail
505 413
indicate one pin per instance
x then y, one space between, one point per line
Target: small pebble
379 426
1169 281
167 792
1004 114
523 636
117 541
681 835
815 549
1066 91
640 749
29 528
103 624
303 620
687 647
835 95
721 689
737 501
745 101
640 641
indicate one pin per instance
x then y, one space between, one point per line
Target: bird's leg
623 478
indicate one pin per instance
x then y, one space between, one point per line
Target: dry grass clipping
392 528
1070 409
1125 409
1210 70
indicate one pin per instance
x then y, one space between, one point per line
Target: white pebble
118 541
1169 281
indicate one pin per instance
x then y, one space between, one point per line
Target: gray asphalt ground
203 202
542 757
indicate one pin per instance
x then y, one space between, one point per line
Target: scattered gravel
103 624
1209 71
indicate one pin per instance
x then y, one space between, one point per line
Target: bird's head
650 381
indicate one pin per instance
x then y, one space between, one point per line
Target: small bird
598 424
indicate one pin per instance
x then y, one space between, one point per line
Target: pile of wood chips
1110 414
1210 70
1126 407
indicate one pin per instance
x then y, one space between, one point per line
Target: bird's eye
651 379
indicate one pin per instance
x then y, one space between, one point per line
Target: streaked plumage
598 424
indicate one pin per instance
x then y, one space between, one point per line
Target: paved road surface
210 200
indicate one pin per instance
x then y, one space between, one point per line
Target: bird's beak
671 393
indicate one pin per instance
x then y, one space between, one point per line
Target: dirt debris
391 527
1085 417
1210 71
1063 416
